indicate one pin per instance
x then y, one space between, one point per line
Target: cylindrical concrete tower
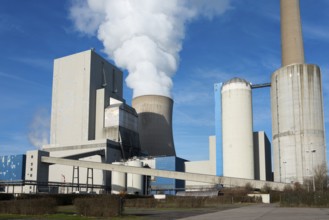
297 106
155 124
298 122
237 126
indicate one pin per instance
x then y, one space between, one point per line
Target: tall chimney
155 124
298 142
291 33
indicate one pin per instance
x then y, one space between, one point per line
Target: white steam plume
143 36
39 129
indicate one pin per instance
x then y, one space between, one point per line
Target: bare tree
321 177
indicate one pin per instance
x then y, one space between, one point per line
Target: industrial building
100 127
119 148
87 91
115 132
90 121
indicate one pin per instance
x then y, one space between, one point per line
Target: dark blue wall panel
12 167
167 185
180 166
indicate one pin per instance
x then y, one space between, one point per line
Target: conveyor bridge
212 179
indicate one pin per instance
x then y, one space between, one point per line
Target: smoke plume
143 36
39 129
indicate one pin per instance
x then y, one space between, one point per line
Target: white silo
135 182
237 126
118 180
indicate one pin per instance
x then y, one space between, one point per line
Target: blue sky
242 42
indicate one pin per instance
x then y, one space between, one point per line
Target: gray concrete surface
268 212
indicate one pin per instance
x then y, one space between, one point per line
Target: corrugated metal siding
12 167
165 163
168 185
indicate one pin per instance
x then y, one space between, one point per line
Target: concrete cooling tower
155 124
297 106
237 126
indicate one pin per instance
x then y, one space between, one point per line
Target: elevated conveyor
225 181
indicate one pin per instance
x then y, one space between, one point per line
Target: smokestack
155 124
297 106
291 33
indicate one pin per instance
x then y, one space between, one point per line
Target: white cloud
87 20
144 37
210 8
39 129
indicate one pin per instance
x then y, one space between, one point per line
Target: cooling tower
155 124
238 151
297 106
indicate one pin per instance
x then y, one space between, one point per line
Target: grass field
69 213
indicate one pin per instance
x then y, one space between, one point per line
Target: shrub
28 207
6 196
275 196
61 199
266 189
141 202
190 201
248 187
100 206
305 199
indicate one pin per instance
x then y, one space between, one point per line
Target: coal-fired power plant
297 106
101 144
238 148
155 124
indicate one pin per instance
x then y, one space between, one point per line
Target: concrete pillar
291 33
